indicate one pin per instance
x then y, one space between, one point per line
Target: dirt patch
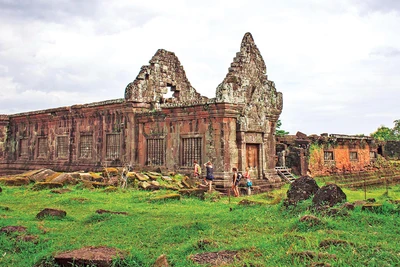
80 199
12 229
216 258
100 211
310 219
28 238
246 202
89 256
333 242
51 213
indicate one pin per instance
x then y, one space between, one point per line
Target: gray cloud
386 51
47 10
385 6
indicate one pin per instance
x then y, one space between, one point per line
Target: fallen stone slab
51 213
85 176
187 182
154 175
30 173
144 184
65 179
17 181
142 177
13 229
108 172
43 175
166 178
89 256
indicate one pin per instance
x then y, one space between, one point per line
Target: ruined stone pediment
247 83
164 80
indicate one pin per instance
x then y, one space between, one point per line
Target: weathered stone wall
341 162
29 131
4 121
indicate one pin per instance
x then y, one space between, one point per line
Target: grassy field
260 235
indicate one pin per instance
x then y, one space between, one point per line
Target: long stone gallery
161 122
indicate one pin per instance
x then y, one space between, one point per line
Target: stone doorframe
251 138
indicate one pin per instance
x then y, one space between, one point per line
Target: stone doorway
253 159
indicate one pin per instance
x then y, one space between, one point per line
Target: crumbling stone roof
164 73
247 83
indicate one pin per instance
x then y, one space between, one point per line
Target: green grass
263 235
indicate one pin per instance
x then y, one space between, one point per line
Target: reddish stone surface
89 256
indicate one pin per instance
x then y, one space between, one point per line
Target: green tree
278 131
384 133
396 129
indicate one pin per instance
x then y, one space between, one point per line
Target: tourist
249 183
124 177
209 176
197 170
235 182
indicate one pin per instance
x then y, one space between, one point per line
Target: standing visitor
210 175
249 184
197 170
235 182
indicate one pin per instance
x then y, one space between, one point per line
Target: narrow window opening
353 156
328 155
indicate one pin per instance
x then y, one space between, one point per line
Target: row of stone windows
353 155
191 148
62 147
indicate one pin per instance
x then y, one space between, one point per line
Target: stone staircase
285 174
259 186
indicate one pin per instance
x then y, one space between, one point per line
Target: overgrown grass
263 235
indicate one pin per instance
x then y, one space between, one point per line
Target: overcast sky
337 63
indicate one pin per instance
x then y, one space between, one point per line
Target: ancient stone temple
162 122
